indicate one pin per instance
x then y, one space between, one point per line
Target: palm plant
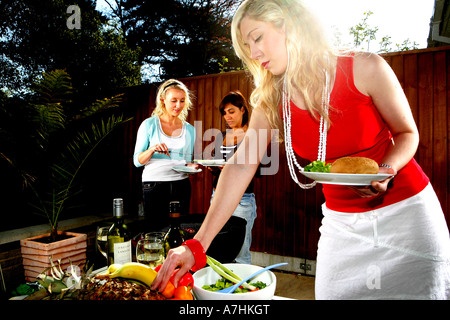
65 137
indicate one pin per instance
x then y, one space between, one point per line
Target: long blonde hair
162 90
309 52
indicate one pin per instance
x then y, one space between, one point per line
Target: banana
112 268
135 271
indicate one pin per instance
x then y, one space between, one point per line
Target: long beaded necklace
291 159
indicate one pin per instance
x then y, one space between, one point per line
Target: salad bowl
207 276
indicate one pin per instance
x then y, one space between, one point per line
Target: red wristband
199 253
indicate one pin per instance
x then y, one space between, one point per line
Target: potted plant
64 137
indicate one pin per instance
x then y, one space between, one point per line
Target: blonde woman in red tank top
388 240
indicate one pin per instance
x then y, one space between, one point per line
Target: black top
226 152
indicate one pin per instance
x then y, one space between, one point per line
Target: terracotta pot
36 255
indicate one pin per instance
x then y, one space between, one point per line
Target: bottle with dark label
119 242
175 236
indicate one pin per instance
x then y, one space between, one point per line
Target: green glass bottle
119 242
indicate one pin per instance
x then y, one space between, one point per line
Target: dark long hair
238 100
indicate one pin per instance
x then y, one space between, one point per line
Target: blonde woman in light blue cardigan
163 141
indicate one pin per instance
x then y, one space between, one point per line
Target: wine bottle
119 242
175 236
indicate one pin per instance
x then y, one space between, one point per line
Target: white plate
211 162
345 178
186 169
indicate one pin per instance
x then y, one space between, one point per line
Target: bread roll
356 165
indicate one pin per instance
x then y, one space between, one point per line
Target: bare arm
375 78
232 183
146 155
235 177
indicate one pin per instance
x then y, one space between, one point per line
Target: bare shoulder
369 69
367 63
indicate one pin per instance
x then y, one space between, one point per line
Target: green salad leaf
318 166
229 278
224 283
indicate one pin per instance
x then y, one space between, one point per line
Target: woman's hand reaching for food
180 258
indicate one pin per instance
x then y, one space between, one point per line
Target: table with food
132 281
214 281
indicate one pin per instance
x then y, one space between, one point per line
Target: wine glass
102 240
157 235
153 235
150 252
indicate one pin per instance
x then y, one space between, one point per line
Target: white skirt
401 251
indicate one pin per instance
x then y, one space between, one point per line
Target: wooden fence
289 217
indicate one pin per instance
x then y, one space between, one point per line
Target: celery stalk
223 274
227 273
231 273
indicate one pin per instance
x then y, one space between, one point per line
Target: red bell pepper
186 281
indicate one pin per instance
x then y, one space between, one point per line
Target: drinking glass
155 235
150 252
102 240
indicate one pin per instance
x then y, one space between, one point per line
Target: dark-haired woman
234 110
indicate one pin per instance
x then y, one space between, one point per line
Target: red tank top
357 129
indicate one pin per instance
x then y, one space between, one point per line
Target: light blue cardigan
149 135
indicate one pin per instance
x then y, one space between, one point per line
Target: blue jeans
246 209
